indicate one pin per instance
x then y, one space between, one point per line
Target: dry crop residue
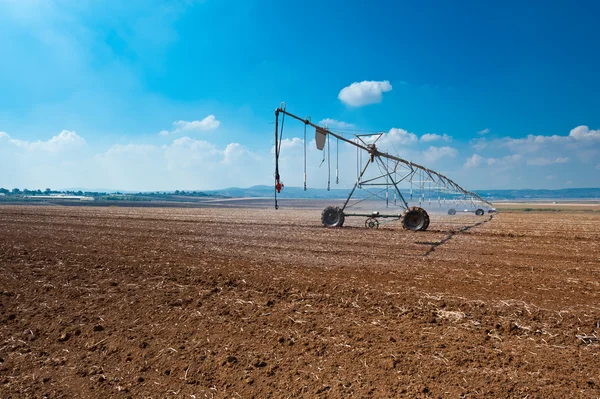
154 303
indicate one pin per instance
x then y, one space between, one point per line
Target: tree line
48 191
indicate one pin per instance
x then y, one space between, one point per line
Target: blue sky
164 95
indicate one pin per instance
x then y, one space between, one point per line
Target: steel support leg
356 184
395 184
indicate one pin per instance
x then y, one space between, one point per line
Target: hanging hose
360 161
420 187
387 182
429 200
357 165
328 166
305 123
337 161
278 139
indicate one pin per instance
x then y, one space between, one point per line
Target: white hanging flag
320 136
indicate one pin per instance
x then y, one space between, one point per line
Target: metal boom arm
440 181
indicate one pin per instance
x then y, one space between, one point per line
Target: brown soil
195 303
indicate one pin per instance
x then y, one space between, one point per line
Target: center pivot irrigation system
390 173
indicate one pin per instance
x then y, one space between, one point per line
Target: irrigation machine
380 177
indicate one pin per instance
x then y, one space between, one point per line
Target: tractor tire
415 219
332 216
426 225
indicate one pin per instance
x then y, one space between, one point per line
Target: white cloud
532 143
289 145
476 161
396 141
65 140
401 136
232 150
576 152
185 152
364 93
587 154
427 137
483 132
584 133
479 143
541 161
550 177
184 163
187 163
332 123
235 151
508 160
208 123
433 154
582 144
128 149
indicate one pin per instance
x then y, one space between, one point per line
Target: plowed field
240 303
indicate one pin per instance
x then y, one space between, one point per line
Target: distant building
55 197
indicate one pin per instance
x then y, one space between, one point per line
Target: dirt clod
231 359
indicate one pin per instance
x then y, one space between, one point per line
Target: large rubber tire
480 212
426 225
332 216
451 211
415 219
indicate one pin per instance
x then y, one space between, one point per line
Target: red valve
278 186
